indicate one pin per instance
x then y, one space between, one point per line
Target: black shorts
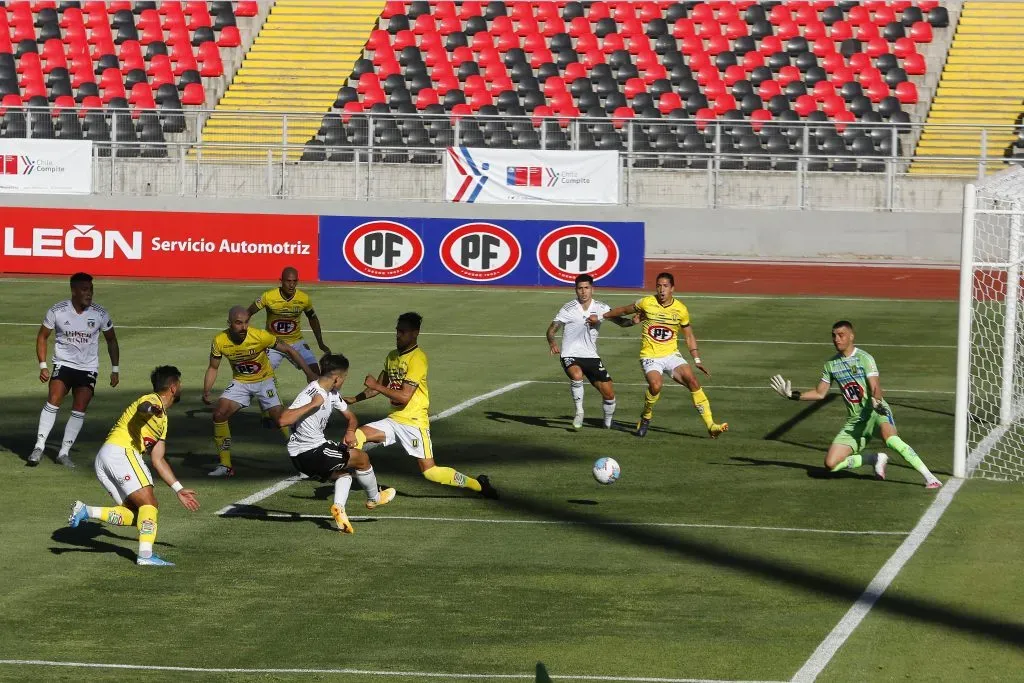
593 369
73 378
320 462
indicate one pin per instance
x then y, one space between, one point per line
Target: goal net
989 440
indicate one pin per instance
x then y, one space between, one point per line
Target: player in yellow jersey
404 382
123 472
251 377
664 317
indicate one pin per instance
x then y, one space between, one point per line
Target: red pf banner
227 246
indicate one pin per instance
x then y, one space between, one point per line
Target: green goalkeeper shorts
859 430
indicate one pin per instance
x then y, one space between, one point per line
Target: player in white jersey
578 352
78 323
314 455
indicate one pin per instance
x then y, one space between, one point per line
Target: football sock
116 516
342 485
852 462
71 430
609 409
46 419
703 406
222 437
576 386
147 530
449 477
907 453
368 480
649 401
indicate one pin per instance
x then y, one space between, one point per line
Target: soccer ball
606 471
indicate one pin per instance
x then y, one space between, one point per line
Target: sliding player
315 456
123 472
664 318
856 373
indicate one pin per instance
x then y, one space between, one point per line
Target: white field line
550 522
458 408
364 672
754 387
817 662
514 336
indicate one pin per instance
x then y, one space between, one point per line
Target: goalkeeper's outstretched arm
784 388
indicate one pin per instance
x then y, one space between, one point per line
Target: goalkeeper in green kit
856 374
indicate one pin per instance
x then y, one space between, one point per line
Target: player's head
664 287
584 287
81 289
407 330
238 322
167 378
333 371
289 280
842 335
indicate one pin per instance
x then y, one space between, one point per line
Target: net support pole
963 334
1006 393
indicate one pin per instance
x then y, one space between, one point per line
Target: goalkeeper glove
784 388
880 407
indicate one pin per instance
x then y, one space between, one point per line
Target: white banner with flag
476 175
46 166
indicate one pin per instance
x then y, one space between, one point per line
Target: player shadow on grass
565 423
87 539
262 514
327 492
913 406
813 471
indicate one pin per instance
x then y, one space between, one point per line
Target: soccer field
717 560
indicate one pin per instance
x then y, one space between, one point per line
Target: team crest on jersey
852 392
247 368
660 333
92 322
148 442
284 326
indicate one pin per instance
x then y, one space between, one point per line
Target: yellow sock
116 516
649 401
147 530
360 438
700 401
449 477
222 437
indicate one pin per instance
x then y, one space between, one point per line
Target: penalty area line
285 483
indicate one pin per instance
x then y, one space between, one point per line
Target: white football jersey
579 338
308 432
77 342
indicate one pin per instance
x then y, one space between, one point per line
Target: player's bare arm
350 431
114 351
314 325
290 416
784 388
253 308
297 359
627 322
619 311
41 337
366 393
691 344
553 329
209 378
187 497
400 396
147 408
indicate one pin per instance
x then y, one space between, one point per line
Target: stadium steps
982 83
304 49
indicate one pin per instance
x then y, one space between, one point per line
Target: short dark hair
842 323
80 277
666 276
411 320
333 362
289 269
163 377
585 277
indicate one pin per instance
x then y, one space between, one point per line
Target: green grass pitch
707 560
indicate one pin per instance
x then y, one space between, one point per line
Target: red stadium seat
704 118
426 97
903 47
391 8
832 105
842 75
823 90
229 37
788 74
921 32
841 30
815 31
193 94
683 28
724 103
713 88
736 29
768 90
876 91
914 64
770 45
632 87
752 60
842 118
620 115
669 102
733 73
758 118
804 105
906 92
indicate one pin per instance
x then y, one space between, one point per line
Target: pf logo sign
383 250
571 250
480 252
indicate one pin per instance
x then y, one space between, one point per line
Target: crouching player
122 471
318 458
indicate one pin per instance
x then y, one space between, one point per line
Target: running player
285 305
123 472
664 317
578 353
78 323
856 373
404 382
315 456
251 377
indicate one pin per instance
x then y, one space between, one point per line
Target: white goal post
989 429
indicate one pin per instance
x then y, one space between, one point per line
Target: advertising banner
488 252
157 244
46 166
516 176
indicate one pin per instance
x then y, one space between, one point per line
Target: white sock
341 488
46 419
368 480
71 430
609 410
576 386
93 512
145 549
